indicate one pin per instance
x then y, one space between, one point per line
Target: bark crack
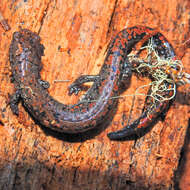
111 19
44 16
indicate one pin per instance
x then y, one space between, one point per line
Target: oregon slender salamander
25 58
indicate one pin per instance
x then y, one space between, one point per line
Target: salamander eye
41 50
32 41
16 36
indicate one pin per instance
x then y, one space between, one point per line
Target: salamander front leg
44 84
77 85
13 102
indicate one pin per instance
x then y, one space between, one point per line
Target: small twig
131 110
4 23
61 81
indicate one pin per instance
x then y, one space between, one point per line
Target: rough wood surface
75 35
183 173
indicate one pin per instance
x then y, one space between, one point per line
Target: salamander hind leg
13 102
77 85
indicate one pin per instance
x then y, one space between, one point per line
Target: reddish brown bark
75 35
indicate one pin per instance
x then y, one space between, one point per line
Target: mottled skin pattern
25 58
151 111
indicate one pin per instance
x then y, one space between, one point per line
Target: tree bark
76 35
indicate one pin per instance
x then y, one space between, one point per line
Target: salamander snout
26 36
26 39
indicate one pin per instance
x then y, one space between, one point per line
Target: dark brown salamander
25 58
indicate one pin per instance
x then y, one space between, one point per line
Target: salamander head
28 40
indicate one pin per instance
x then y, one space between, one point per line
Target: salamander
25 55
